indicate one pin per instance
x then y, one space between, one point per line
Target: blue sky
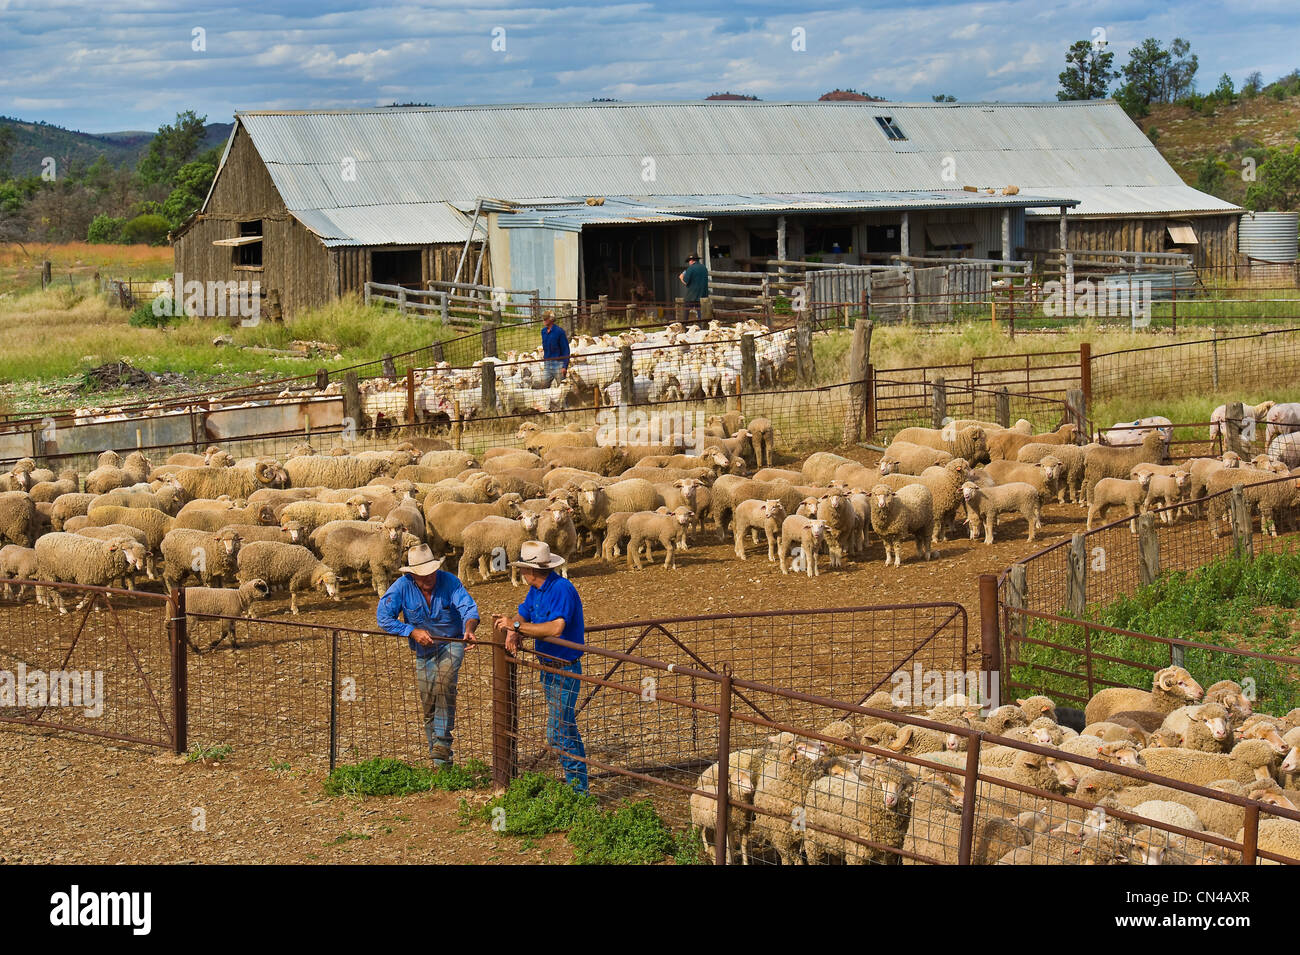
131 65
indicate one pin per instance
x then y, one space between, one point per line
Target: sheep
1006 445
1118 492
227 603
374 552
1116 462
489 538
152 521
934 829
944 483
213 519
67 483
821 466
836 513
909 512
123 532
704 806
1072 459
291 566
1230 695
168 498
763 437
18 520
985 504
1164 491
213 482
872 802
596 501
1035 707
806 534
291 532
1201 470
615 534
1264 492
108 476
903 457
1250 416
1171 688
314 514
780 474
1247 761
344 471
444 523
17 563
749 517
71 558
1205 727
739 445
556 529
210 556
408 517
970 443
23 475
1282 418
1046 475
779 792
646 527
604 461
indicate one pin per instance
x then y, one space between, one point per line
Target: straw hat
420 561
538 556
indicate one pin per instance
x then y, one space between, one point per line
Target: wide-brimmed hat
692 258
538 556
420 561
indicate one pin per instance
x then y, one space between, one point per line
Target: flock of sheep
847 796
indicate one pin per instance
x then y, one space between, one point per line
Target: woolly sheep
595 501
821 465
749 517
290 566
644 528
1247 761
895 516
67 483
763 437
1164 492
1006 445
1204 727
210 556
71 558
373 552
1116 462
445 523
1202 468
985 504
872 802
489 536
152 521
808 535
1264 492
18 521
1072 458
17 563
904 457
1117 492
970 443
934 830
779 792
704 806
216 518
1171 688
224 602
213 482
108 476
556 529
314 514
337 472
125 533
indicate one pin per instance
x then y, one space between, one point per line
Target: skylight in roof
890 128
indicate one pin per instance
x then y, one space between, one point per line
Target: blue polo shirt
557 597
443 615
555 344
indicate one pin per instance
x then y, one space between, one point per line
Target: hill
33 141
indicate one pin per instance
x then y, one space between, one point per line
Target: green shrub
393 777
105 230
143 317
147 229
535 804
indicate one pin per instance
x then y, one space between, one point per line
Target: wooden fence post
488 334
1076 581
1017 587
489 385
1243 544
437 352
803 349
625 378
706 310
1148 549
504 716
1076 412
1233 413
679 308
860 372
748 363
1002 404
46 277
939 410
351 400
390 369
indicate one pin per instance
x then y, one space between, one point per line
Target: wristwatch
515 627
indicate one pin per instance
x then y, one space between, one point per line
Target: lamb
1117 492
213 482
808 535
213 519
872 803
1072 458
18 521
1006 445
226 603
763 437
291 532
212 557
344 471
17 563
749 517
1171 688
779 793
152 521
487 537
445 523
904 457
1046 475
836 513
290 566
556 529
374 552
1201 470
970 443
1165 492
615 534
909 512
1116 462
985 504
314 514
71 558
704 805
644 528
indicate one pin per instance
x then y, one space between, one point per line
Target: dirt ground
78 799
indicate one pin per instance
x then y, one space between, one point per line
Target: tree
944 98
1180 75
1156 75
105 230
1088 72
1254 83
171 148
1278 187
192 183
1225 92
6 150
1210 176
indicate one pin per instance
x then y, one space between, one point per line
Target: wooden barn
608 198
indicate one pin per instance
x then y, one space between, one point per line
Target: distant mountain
34 141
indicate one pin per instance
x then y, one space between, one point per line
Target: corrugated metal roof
422 157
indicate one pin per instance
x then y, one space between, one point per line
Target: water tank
1268 236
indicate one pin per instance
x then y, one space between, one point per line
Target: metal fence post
990 637
724 769
334 699
504 715
177 631
1250 836
969 792
410 395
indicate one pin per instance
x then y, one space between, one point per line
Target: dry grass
20 265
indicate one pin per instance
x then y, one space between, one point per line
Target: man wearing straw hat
434 604
552 608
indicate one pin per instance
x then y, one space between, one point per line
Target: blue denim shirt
555 344
443 615
556 598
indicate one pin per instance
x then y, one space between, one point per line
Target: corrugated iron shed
423 159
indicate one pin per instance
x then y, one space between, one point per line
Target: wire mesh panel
103 668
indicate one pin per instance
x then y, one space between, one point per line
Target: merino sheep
556 529
895 516
314 514
345 471
122 532
1171 688
605 461
872 803
18 520
17 563
210 556
904 457
704 803
1201 469
67 483
216 518
224 602
749 517
1118 492
779 792
1164 492
494 538
72 558
970 443
763 436
596 501
445 523
373 552
289 566
152 521
108 476
1273 498
1046 475
1248 761
806 535
1116 462
647 527
1006 445
1072 458
821 466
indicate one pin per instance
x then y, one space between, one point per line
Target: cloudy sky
126 64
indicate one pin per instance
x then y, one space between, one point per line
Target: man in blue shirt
696 279
434 604
552 608
555 349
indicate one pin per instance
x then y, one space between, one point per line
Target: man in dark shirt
434 604
552 608
696 279
555 349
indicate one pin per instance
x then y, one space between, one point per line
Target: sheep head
325 580
360 505
228 540
883 495
1178 682
296 531
257 587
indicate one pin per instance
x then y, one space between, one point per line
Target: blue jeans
435 677
562 721
553 368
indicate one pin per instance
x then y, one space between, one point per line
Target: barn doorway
627 264
397 267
